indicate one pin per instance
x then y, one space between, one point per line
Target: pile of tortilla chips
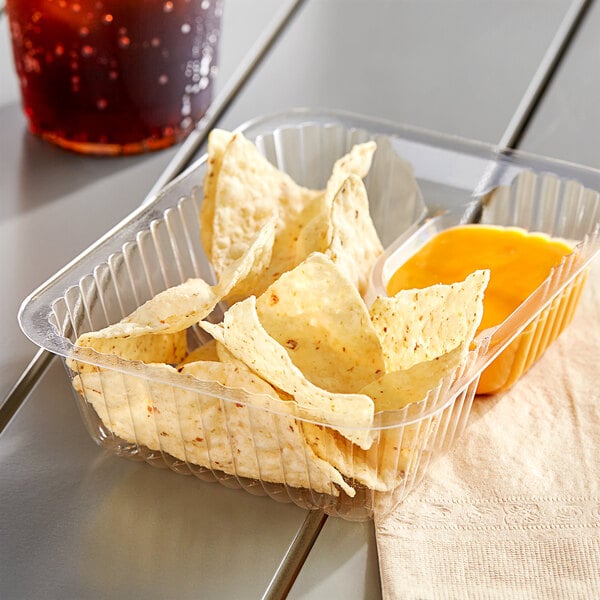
287 389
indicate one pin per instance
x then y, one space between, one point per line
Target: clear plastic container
236 438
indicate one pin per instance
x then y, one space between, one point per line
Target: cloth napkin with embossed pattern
513 511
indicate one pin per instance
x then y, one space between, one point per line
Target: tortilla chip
182 306
243 276
419 325
155 332
206 352
225 356
243 335
255 437
218 140
357 162
318 316
383 467
397 389
318 227
357 464
316 232
251 191
354 245
173 309
168 348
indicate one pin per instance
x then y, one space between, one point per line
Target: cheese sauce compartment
227 435
562 210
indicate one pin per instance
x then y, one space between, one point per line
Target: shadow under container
226 435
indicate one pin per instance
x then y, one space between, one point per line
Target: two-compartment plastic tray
158 246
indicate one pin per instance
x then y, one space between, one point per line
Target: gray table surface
79 523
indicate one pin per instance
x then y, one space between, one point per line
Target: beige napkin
513 511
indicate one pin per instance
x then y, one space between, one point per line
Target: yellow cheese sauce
518 261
